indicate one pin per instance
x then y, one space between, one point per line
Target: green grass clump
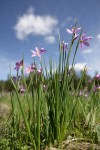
52 109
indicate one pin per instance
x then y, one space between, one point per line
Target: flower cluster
83 40
32 69
29 70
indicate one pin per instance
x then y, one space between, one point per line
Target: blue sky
25 24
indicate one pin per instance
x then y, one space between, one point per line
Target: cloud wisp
50 39
36 25
87 51
98 37
80 66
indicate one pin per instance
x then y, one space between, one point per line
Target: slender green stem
24 116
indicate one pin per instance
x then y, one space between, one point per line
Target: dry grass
4 111
76 145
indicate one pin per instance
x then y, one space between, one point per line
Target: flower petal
78 29
33 53
87 38
83 36
69 31
86 43
42 50
81 44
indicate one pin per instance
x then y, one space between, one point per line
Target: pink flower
33 67
80 92
97 76
74 31
85 40
22 90
37 52
30 69
18 64
39 71
96 88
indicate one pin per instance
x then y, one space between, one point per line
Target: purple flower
33 66
22 90
37 52
15 79
74 31
64 45
80 92
18 64
39 71
85 40
30 69
96 88
97 76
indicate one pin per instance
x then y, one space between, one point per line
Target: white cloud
32 24
87 51
98 37
50 39
80 66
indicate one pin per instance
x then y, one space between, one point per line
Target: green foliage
52 108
